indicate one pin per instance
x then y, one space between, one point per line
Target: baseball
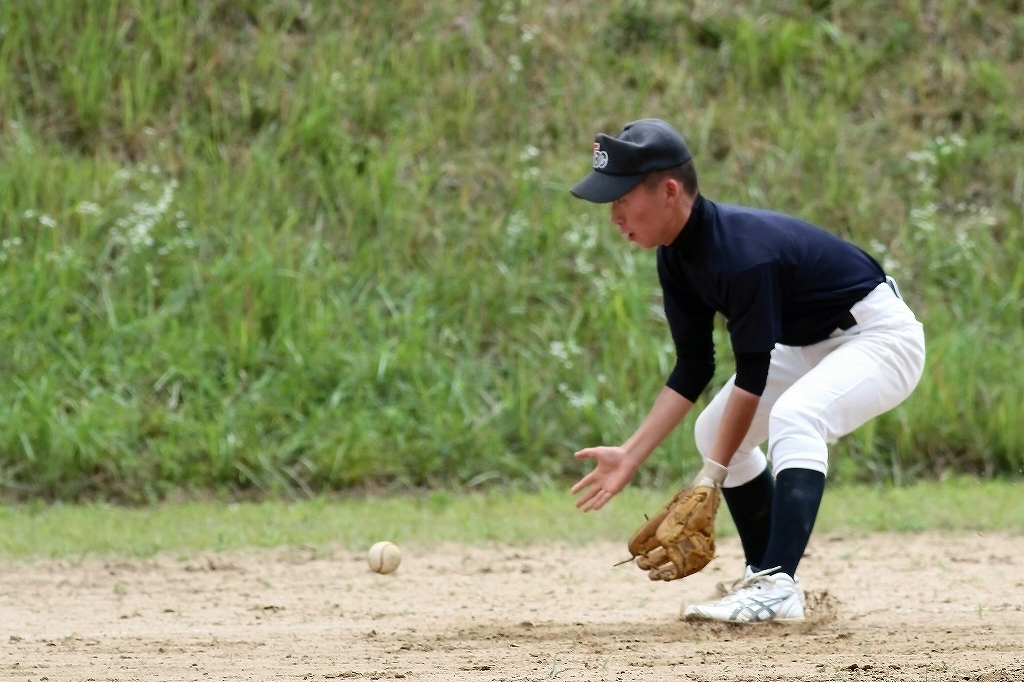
383 557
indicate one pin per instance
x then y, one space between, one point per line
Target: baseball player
822 338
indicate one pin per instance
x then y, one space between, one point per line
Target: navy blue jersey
775 278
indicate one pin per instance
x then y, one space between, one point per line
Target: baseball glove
680 539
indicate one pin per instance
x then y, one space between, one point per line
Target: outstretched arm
616 465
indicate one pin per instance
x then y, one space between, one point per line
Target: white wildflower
582 234
582 265
139 223
923 157
564 352
581 401
986 217
924 217
516 224
529 153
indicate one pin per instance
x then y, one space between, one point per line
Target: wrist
634 456
712 474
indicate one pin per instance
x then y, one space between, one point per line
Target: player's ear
673 189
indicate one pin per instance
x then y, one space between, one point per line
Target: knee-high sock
794 508
750 505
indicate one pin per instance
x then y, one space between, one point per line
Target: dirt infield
881 607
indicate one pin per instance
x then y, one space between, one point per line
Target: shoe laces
727 587
751 581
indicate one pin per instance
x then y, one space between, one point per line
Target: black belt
847 321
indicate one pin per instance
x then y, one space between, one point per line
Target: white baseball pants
816 394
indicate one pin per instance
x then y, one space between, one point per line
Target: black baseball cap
621 162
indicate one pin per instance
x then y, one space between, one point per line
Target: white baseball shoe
755 598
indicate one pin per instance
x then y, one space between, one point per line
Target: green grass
70 531
294 247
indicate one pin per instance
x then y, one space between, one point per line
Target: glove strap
712 475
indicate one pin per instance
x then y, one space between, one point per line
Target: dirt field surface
880 607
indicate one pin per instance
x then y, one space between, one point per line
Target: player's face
642 216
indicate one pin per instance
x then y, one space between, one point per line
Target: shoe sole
700 618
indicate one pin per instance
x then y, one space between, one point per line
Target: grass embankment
70 531
300 246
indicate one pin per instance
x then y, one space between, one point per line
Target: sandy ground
881 607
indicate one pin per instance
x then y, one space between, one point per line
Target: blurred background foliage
289 247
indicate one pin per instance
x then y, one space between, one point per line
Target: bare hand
612 473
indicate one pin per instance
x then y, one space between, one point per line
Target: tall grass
290 246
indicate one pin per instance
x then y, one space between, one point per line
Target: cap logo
600 157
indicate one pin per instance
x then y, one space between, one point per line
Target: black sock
751 507
794 508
